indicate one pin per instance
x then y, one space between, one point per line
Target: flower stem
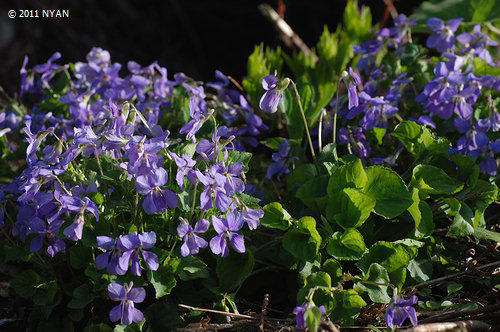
304 118
320 130
335 114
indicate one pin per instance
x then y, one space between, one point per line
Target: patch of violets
453 93
55 212
118 117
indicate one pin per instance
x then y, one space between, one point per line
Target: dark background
192 36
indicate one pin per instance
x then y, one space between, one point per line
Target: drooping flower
300 312
352 80
271 98
400 310
279 166
227 228
192 242
125 312
75 204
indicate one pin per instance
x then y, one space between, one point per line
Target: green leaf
163 279
80 257
422 215
96 197
248 200
481 233
410 53
474 11
275 216
379 134
273 143
313 193
163 316
351 175
238 156
300 175
420 269
433 180
388 189
350 207
81 297
452 206
393 257
315 279
463 223
234 268
467 168
349 304
408 133
453 287
334 269
15 253
45 293
25 283
312 319
324 96
377 293
191 267
358 22
482 68
303 241
346 246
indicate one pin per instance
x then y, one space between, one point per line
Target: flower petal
115 313
136 295
237 243
117 292
151 260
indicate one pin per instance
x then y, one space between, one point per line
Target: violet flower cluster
454 93
106 117
125 251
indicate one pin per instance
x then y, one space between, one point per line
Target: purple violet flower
300 312
279 166
110 259
157 200
75 204
184 167
227 228
222 200
132 245
443 39
477 43
271 98
125 311
400 310
352 80
489 164
192 242
49 231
